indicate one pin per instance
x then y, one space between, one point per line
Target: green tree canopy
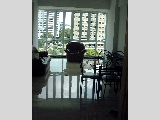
49 35
67 33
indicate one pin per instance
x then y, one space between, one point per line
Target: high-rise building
42 20
92 27
95 29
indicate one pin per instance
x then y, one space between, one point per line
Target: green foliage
41 49
55 47
50 51
50 35
60 50
67 33
91 52
41 43
44 35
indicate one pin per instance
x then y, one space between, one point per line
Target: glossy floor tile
61 95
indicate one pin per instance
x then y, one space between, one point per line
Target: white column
35 24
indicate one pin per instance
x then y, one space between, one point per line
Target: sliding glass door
58 27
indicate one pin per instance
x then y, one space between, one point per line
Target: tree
50 35
67 33
44 35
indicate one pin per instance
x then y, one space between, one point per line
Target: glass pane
76 26
59 25
67 31
90 47
101 26
42 44
84 26
93 26
55 47
42 15
100 48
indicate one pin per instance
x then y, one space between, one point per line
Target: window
65 26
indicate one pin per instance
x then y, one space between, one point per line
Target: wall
35 24
96 4
110 26
122 28
123 4
116 28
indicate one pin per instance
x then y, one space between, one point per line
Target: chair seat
111 78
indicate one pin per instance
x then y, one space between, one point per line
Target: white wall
122 28
110 26
35 24
116 39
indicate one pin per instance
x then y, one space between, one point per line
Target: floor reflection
61 91
67 83
64 81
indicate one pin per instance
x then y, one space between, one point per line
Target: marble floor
61 95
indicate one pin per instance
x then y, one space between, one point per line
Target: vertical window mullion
63 31
47 30
96 31
80 27
72 24
106 31
89 21
55 23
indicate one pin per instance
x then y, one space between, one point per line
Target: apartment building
42 20
91 28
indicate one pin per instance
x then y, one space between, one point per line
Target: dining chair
111 72
111 75
75 52
93 74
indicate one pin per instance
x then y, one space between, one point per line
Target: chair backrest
75 46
